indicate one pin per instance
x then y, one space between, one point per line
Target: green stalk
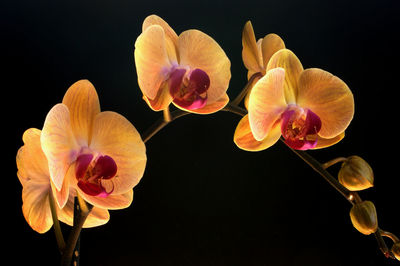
56 224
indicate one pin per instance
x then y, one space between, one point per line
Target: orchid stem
333 161
351 196
56 224
382 245
162 122
325 174
80 215
246 89
392 236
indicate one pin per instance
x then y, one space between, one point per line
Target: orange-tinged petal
287 60
210 108
112 202
328 97
245 140
250 54
83 105
96 217
266 103
61 196
36 207
151 59
162 100
323 143
31 161
170 36
34 176
255 79
271 43
198 50
115 136
58 143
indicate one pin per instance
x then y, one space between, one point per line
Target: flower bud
396 250
356 174
363 217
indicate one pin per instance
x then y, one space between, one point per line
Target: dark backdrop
202 200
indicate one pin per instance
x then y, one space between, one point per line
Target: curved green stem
333 161
246 89
351 196
162 122
56 224
81 212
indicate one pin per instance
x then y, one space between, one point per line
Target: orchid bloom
309 108
33 173
99 155
190 70
256 55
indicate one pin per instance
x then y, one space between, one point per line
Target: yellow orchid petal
246 99
151 60
245 140
198 50
162 100
266 103
61 196
287 60
96 217
58 143
271 44
170 36
34 176
328 97
112 202
83 105
210 108
31 161
36 207
250 54
323 143
115 136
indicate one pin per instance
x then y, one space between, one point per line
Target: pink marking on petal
105 167
82 164
104 193
303 145
313 123
197 103
189 89
199 81
176 78
299 128
92 189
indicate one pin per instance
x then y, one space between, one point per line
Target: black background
202 200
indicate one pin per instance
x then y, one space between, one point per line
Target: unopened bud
356 174
396 250
363 217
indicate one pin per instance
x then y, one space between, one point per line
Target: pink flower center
91 172
189 88
300 127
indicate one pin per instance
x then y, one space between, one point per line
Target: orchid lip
300 127
189 88
91 172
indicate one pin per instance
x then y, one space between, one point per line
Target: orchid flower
33 173
190 70
256 55
99 155
309 108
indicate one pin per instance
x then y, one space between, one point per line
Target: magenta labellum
189 88
299 128
91 172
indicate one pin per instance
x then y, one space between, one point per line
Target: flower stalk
56 224
81 211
